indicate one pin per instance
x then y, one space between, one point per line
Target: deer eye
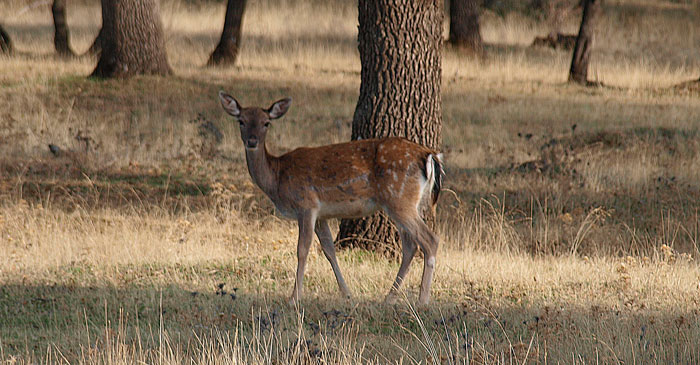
267 124
240 123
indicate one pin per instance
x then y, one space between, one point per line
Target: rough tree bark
584 42
61 38
5 41
465 32
133 41
400 44
226 51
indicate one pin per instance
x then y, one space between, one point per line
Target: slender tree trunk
5 41
465 31
61 38
400 44
227 49
584 42
133 41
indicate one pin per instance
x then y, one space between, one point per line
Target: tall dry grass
107 286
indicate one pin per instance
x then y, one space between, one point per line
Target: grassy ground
570 228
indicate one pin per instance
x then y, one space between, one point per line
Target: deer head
254 122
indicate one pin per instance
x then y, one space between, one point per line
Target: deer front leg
326 238
306 222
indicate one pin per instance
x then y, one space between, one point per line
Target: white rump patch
426 183
430 170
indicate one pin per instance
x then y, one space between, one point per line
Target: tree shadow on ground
78 319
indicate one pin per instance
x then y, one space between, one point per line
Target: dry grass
145 287
570 227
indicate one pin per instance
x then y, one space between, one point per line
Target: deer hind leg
306 222
326 238
428 242
414 232
408 251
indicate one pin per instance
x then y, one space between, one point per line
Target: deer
346 180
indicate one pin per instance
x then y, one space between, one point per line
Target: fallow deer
346 180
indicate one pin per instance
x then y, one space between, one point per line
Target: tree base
223 56
375 233
587 83
109 68
132 40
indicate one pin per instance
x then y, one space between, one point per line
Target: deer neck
263 169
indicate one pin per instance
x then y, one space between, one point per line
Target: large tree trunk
400 44
227 49
61 39
133 41
584 42
464 26
5 42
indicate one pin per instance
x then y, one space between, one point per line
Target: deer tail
434 173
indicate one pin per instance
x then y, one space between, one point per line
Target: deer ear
279 108
230 104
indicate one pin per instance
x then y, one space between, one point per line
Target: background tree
61 39
5 42
132 41
465 32
400 44
227 49
584 42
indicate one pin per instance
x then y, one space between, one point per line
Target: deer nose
252 142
